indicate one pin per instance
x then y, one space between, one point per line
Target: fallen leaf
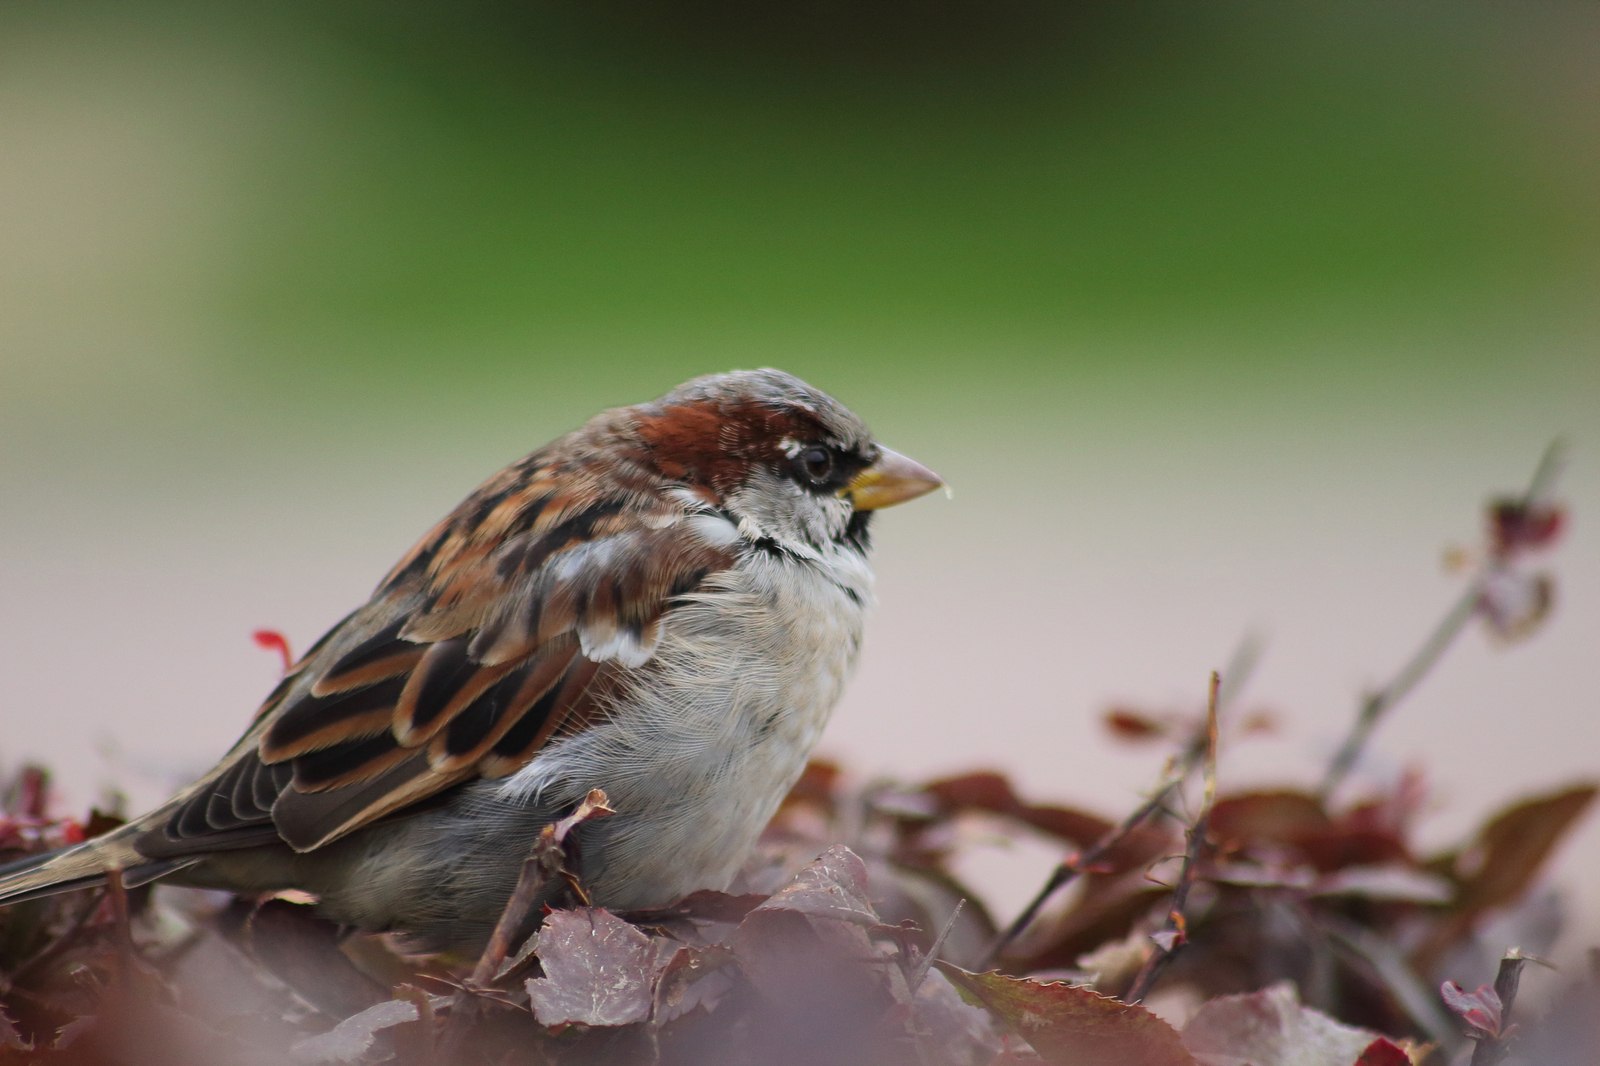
599 970
1271 1028
1071 1025
352 1038
834 886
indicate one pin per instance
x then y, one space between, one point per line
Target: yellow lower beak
893 479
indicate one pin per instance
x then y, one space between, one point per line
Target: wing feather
313 723
508 624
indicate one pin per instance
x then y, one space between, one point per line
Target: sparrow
664 604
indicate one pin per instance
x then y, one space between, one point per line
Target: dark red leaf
1272 1028
1125 723
1280 817
992 793
10 1038
1382 1052
303 951
1299 821
1480 1009
1069 1024
33 790
834 886
599 970
693 978
352 1038
1513 846
1513 525
808 954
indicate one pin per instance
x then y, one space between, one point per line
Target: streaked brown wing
507 623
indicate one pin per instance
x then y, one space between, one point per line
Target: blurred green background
1219 318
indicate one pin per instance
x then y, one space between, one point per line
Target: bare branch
1379 703
1174 933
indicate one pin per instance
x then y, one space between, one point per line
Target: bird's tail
83 866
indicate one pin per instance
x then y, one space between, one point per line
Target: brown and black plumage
537 642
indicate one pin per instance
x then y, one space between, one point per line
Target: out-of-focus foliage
1310 939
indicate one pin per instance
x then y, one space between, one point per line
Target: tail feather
82 866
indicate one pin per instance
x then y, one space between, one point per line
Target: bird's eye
818 464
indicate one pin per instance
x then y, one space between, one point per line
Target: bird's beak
893 479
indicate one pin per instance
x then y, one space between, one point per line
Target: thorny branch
1178 770
1377 704
1174 932
1074 865
1176 773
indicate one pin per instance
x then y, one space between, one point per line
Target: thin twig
1174 932
1074 865
1177 771
920 971
121 920
1379 703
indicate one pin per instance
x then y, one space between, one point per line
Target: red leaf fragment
1260 722
693 978
302 950
33 790
1272 1028
1480 1009
992 793
1513 846
11 1039
1125 723
835 886
351 1039
599 970
1363 836
808 954
1515 525
272 640
1383 1052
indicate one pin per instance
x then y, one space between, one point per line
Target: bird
665 604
